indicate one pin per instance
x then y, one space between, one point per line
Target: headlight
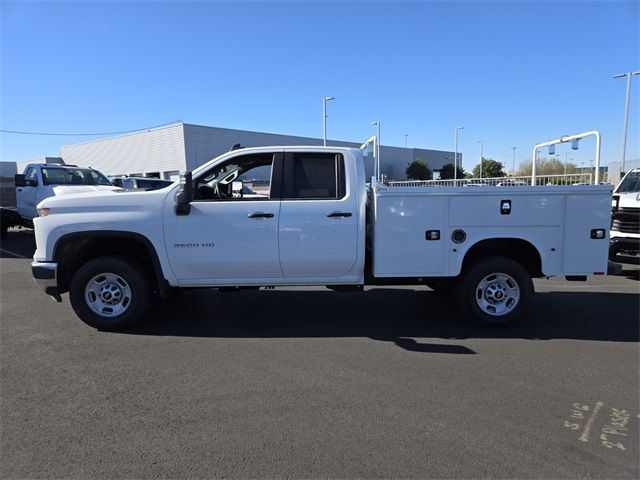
44 212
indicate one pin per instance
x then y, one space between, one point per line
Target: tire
494 292
111 293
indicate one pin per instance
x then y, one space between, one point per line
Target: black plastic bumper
623 244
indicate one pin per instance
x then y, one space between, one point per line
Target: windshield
75 176
630 184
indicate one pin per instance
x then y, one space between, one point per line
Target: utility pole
455 160
481 142
626 114
324 118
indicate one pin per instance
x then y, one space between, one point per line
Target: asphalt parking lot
314 384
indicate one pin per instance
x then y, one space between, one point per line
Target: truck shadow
631 274
403 317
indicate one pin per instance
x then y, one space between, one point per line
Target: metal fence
569 179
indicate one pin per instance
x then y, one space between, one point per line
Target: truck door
231 231
318 231
26 196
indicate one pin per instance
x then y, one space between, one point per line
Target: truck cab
306 229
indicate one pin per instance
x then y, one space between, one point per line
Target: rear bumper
45 274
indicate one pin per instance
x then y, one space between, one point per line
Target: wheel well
516 249
74 250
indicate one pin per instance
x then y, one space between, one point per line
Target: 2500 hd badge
193 245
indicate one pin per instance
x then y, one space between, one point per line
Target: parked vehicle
140 183
625 216
319 225
40 181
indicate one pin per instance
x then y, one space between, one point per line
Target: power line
17 132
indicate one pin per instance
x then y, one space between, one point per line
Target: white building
615 169
165 151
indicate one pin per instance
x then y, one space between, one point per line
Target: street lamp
324 118
455 161
378 123
406 139
626 113
513 171
481 142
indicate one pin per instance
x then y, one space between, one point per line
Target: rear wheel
110 293
494 292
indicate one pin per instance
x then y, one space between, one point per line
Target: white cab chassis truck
44 180
315 221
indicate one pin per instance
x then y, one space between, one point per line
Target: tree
490 169
546 166
418 170
447 172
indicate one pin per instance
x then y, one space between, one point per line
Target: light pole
566 154
626 113
513 171
481 142
455 159
324 118
378 123
406 139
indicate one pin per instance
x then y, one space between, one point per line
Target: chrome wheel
497 294
108 295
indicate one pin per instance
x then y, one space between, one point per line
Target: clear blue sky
512 73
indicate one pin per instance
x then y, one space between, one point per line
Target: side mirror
184 197
20 180
236 188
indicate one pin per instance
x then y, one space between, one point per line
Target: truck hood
73 189
629 199
104 199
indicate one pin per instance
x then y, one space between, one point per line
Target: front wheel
494 292
110 293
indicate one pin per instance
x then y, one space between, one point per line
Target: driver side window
247 177
31 174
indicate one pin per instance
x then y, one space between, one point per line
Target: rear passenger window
314 176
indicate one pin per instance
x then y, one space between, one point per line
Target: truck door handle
260 215
338 214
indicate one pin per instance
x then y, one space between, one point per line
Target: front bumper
45 274
623 244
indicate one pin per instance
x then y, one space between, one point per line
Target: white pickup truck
625 217
318 223
44 180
